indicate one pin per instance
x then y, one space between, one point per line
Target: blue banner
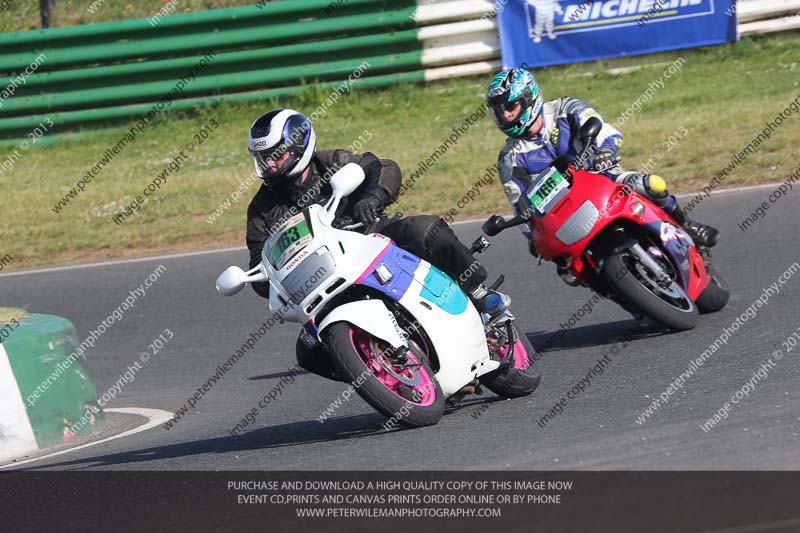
535 33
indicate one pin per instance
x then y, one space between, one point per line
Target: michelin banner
535 33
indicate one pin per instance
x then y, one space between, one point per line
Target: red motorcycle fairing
614 204
699 278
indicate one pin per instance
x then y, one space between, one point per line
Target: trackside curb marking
114 262
155 418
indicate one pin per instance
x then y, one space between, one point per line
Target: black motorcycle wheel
518 378
673 309
380 383
715 296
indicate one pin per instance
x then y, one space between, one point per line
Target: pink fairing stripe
374 262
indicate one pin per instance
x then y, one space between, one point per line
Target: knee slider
656 189
656 184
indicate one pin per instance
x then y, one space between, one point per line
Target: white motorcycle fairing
308 263
443 311
370 315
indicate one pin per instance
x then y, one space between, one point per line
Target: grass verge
24 15
721 97
10 313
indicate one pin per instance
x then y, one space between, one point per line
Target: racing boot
489 301
653 187
702 234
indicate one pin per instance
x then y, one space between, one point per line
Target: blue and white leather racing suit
561 120
532 154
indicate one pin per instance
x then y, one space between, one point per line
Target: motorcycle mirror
344 182
590 129
347 179
231 281
494 225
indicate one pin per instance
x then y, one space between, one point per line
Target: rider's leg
654 188
431 238
703 234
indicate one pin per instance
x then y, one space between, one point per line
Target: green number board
294 235
546 189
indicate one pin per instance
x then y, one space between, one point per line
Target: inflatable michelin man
545 11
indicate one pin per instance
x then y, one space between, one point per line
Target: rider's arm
578 112
512 186
382 176
256 236
513 179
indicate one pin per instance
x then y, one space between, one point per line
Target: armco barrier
37 355
108 71
119 69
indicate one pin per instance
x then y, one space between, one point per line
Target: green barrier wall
82 74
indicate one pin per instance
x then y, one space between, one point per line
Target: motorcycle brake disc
379 355
671 290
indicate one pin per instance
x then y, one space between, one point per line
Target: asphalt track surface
597 430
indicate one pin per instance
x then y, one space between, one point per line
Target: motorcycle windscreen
293 235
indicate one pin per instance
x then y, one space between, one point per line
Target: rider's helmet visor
275 161
500 105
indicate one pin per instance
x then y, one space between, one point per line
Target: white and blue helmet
279 132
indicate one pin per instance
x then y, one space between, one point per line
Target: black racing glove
604 161
366 210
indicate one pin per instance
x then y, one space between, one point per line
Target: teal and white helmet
507 89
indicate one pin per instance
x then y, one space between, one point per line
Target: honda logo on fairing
296 260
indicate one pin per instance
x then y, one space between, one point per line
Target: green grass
723 96
24 15
10 313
